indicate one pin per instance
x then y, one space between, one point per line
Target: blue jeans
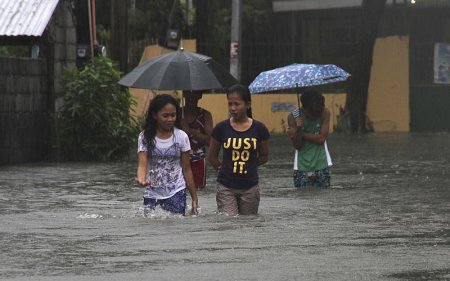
319 178
175 204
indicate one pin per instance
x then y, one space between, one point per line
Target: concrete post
235 53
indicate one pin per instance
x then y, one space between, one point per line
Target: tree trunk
119 33
371 12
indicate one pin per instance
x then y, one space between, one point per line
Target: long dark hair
150 123
245 95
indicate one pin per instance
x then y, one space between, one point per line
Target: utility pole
235 53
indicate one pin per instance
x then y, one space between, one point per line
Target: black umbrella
179 70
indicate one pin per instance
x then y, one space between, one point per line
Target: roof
296 5
25 17
299 5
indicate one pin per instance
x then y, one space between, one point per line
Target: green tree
95 122
147 23
213 29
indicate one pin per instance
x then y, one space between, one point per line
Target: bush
95 121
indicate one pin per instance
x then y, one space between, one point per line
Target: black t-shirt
240 150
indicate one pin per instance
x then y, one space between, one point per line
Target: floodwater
385 218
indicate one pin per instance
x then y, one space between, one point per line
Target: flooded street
386 217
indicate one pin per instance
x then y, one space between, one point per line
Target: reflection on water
385 218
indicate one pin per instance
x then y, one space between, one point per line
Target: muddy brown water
386 217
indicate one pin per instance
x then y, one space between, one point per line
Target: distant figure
245 145
308 129
198 124
163 158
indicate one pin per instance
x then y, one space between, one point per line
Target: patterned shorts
175 204
320 178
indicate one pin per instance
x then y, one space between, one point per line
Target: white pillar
235 53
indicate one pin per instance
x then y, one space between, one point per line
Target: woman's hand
194 210
299 121
142 182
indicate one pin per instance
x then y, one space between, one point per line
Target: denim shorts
319 178
175 204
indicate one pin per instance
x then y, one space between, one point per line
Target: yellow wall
261 107
388 101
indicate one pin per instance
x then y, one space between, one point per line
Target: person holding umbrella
245 146
163 158
178 70
197 122
308 129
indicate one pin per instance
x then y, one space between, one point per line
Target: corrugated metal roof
299 5
430 3
25 17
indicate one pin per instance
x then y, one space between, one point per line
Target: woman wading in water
245 145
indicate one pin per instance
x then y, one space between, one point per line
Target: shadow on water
385 218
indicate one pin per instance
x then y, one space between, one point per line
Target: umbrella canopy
179 70
296 76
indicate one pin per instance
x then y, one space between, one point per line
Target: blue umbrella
296 76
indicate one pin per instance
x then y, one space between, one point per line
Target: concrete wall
62 32
28 90
24 126
388 101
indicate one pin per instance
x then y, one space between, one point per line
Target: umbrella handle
182 105
298 97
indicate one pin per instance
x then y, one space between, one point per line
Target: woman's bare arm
189 178
294 132
213 154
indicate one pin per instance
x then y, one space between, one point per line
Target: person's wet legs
320 178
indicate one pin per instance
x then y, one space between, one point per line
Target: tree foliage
212 29
95 122
148 22
15 51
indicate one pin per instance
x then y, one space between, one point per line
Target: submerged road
386 217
